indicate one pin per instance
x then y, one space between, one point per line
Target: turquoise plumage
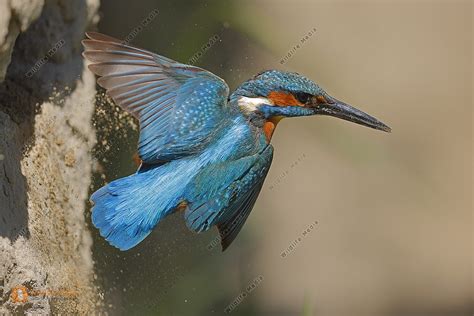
202 151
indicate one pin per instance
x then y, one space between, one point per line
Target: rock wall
46 138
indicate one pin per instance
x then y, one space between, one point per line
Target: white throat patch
249 105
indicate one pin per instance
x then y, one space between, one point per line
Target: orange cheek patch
283 99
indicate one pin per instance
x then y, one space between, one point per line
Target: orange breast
270 125
268 128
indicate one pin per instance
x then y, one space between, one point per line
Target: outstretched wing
228 202
178 106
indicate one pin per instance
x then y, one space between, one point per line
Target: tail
126 210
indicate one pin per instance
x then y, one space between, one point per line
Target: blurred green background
393 211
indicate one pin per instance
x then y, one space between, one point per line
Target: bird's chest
235 141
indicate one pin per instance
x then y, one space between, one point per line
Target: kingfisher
203 151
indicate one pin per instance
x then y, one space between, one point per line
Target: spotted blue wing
229 202
178 106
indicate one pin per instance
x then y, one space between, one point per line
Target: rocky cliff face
46 137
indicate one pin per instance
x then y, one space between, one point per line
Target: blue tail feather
126 210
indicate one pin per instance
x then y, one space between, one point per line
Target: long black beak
346 112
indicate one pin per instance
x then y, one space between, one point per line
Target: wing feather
228 202
163 94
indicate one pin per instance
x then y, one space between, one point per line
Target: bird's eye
303 97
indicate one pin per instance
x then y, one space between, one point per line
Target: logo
19 294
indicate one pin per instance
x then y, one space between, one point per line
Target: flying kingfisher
203 151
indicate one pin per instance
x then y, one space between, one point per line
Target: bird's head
272 95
